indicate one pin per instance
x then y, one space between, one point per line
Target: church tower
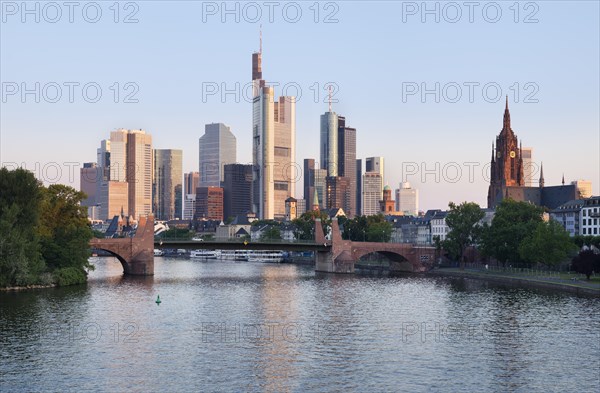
506 168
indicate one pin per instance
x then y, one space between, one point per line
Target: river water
239 326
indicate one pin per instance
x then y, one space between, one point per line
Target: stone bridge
136 253
343 254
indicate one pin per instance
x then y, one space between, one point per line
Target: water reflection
231 326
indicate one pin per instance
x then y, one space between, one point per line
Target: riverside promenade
562 281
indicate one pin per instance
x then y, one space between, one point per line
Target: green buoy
158 299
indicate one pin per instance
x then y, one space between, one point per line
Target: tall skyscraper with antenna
273 145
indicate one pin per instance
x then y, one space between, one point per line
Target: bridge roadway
240 245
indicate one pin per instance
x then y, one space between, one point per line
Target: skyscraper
273 142
139 172
191 181
407 199
320 176
118 155
217 148
209 203
347 163
338 157
371 193
167 193
375 164
90 176
309 180
237 190
329 143
359 175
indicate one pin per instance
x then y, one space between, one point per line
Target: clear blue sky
370 54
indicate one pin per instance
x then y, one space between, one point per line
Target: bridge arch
116 255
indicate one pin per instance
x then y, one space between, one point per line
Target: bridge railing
229 240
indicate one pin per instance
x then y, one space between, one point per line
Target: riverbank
578 287
27 287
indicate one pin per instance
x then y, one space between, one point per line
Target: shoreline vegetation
44 233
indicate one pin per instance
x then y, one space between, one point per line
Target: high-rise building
103 159
301 206
209 203
189 206
347 163
329 143
338 157
309 180
273 142
167 193
90 177
375 164
372 193
217 148
528 166
584 188
237 190
407 200
139 172
320 181
191 181
338 192
118 155
112 199
359 175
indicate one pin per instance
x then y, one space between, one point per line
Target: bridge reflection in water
337 255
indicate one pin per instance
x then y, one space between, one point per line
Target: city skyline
462 137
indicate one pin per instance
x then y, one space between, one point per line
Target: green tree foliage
43 231
378 229
305 224
586 262
177 234
581 240
464 229
512 223
549 244
271 233
20 197
356 229
65 232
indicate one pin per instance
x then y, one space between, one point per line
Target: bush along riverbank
44 233
555 281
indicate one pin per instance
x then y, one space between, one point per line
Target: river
239 326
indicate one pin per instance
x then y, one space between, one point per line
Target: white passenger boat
234 255
158 252
206 254
271 256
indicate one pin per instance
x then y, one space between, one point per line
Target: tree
548 244
586 262
356 229
65 232
271 233
464 229
305 224
512 222
379 232
21 262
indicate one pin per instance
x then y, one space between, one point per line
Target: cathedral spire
542 175
493 155
506 125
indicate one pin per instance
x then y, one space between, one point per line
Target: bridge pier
136 254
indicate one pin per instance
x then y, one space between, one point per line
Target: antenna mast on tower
329 88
